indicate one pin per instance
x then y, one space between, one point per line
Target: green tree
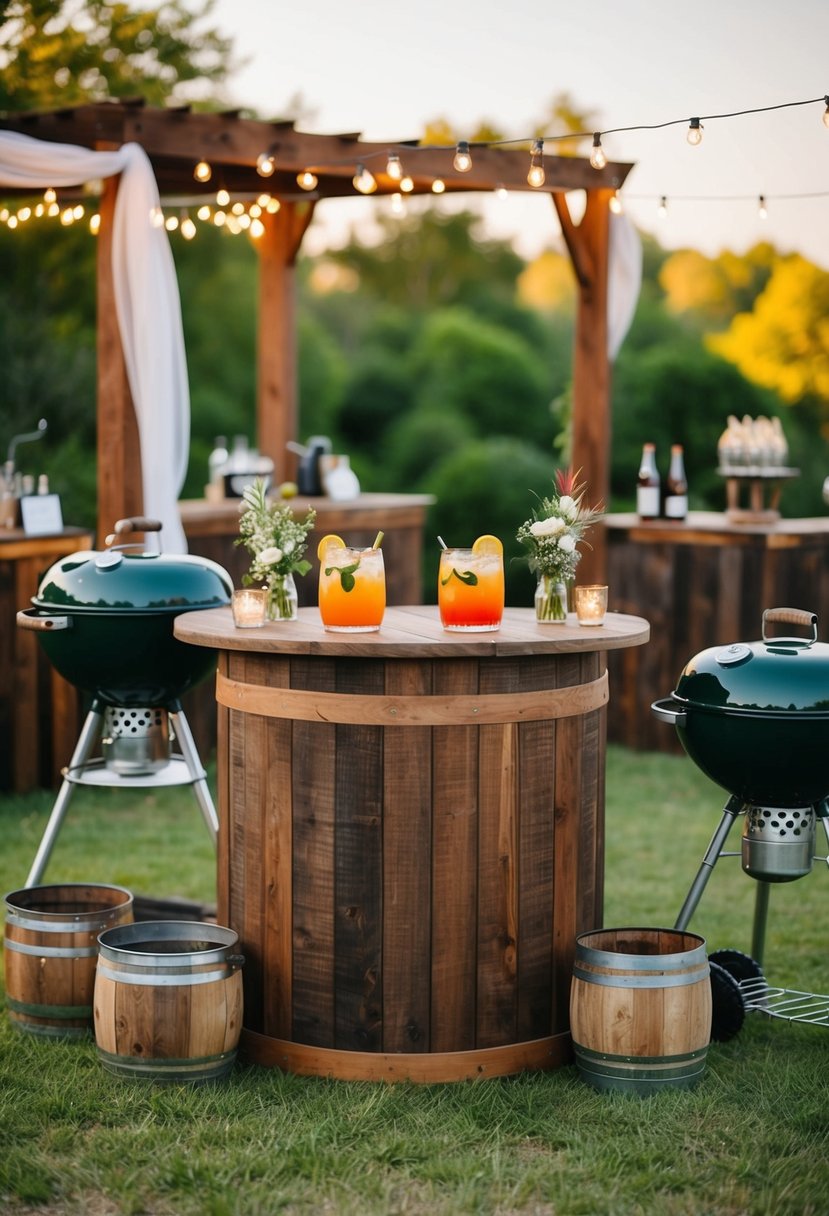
68 52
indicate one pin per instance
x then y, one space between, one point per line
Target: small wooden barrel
640 1009
51 951
168 1000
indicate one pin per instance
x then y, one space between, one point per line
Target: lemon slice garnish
488 544
329 541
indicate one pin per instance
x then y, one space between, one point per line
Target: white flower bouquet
552 536
277 542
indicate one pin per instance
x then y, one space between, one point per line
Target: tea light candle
591 604
249 608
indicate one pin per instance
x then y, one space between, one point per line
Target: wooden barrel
640 1009
168 1000
51 951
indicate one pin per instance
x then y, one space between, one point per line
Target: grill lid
775 675
114 581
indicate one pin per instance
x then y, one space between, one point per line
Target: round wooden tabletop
412 632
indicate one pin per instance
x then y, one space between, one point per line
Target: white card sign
41 514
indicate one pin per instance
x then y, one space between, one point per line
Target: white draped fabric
147 303
624 280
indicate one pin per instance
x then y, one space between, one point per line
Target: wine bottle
647 489
676 487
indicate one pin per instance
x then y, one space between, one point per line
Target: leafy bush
487 486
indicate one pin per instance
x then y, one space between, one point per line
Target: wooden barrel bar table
411 836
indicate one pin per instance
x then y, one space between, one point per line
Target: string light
615 203
694 135
438 185
202 171
307 180
406 184
187 227
536 175
398 206
394 169
364 180
50 195
463 157
222 197
826 112
662 209
597 154
266 163
95 223
501 191
762 209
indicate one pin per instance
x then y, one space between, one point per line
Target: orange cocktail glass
470 590
352 591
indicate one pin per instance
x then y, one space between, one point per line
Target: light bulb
463 157
394 169
438 185
536 175
171 223
307 180
615 204
50 195
187 227
501 191
762 210
273 206
597 156
406 184
203 212
662 209
202 171
257 229
222 197
398 206
364 180
95 223
826 112
694 135
265 164
78 211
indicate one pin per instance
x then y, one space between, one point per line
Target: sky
385 69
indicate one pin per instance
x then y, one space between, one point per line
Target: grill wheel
728 1010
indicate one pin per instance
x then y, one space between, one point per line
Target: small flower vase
282 598
551 600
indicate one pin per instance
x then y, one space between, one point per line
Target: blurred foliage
66 52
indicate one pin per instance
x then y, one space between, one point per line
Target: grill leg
86 742
733 808
194 766
761 915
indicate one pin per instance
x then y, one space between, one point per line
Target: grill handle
667 710
791 616
32 618
136 523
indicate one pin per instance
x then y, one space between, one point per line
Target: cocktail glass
470 590
352 590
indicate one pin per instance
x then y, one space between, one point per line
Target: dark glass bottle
647 488
676 487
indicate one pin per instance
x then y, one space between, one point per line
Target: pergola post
120 492
588 245
276 405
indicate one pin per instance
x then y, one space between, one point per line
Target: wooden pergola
176 139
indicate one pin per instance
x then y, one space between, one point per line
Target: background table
411 835
39 712
703 582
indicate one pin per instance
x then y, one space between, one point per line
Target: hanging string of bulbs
365 182
246 216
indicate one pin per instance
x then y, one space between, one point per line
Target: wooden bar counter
411 836
701 582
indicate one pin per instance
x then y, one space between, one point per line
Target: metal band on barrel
486 709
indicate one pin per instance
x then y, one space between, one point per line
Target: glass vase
551 600
283 600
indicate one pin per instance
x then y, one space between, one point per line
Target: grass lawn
753 1138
